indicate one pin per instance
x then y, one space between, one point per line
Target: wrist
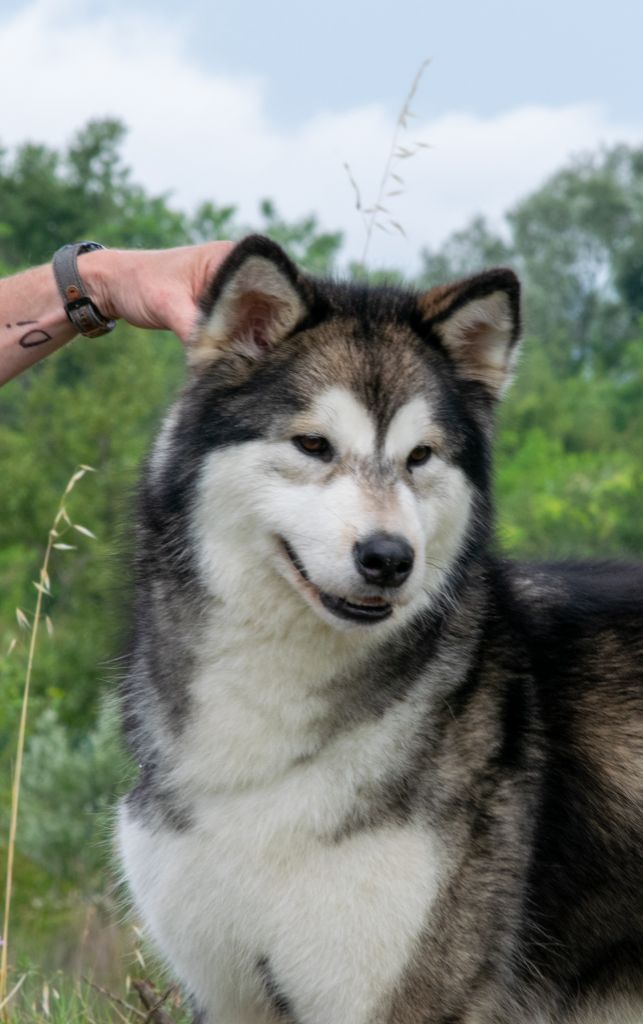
99 270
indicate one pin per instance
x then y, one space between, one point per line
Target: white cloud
201 134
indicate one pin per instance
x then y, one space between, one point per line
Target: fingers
206 262
158 289
191 271
213 254
183 323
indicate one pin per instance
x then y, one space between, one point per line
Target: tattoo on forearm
32 338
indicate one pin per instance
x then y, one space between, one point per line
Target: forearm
157 289
33 322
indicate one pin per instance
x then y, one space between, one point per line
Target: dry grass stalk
391 183
14 991
153 1003
61 524
116 1001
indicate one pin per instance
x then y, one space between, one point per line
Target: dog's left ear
255 300
477 321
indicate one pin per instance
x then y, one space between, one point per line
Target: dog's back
585 894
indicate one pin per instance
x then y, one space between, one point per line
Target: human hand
155 288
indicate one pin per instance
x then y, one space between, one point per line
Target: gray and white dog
385 776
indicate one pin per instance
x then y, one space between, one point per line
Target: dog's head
337 435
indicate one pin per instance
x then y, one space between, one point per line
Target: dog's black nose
384 559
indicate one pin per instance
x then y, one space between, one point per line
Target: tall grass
61 526
391 184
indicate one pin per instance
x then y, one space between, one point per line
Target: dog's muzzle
366 610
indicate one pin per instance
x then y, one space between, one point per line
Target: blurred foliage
569 478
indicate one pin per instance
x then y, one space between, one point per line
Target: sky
237 101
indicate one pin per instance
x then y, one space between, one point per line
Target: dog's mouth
366 610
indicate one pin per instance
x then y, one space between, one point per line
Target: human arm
156 288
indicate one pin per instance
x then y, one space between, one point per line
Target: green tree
465 252
578 243
47 197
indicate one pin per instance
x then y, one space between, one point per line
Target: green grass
60 1000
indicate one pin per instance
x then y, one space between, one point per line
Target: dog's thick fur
373 792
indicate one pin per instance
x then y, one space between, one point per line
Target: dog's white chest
277 870
335 919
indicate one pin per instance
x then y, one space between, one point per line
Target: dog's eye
313 444
420 454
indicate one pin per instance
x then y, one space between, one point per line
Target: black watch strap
84 315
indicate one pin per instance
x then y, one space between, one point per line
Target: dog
385 775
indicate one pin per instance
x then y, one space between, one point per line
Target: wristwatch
81 311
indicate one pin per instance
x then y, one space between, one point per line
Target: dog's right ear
255 300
